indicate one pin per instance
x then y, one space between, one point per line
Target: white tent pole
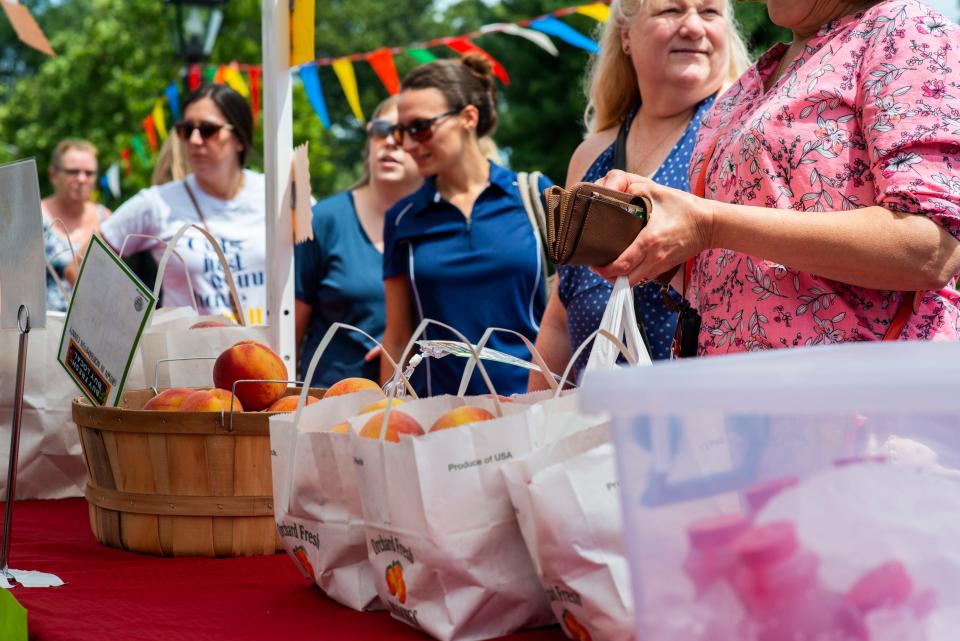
277 156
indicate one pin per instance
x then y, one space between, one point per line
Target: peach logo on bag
574 628
300 554
395 581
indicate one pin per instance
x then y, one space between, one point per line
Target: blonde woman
661 65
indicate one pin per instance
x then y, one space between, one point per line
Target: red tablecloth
112 595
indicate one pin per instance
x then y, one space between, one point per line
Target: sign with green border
108 312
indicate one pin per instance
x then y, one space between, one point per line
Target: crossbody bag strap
196 206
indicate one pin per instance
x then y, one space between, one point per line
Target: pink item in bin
776 580
711 556
760 494
885 586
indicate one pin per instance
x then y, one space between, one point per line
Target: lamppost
196 27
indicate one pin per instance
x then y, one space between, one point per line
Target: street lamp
197 25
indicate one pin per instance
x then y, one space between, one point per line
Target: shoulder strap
529 187
620 146
196 205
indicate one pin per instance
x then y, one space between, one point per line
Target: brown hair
386 105
66 145
611 79
234 108
466 81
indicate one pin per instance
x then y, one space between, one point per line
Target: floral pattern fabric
869 114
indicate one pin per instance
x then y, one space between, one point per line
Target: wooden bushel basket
178 483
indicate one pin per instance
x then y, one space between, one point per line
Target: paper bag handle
186 271
620 319
318 354
534 353
227 273
627 354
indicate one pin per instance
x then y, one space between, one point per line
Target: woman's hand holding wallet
626 225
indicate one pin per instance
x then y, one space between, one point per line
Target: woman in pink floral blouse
832 174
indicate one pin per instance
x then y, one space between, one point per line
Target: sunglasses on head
73 173
421 129
207 130
380 128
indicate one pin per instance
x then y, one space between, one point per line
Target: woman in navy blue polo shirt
461 249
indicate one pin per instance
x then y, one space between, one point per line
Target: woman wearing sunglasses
339 274
220 195
73 175
461 249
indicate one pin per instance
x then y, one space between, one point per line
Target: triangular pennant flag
382 62
138 148
219 75
193 77
554 27
348 80
173 99
150 129
310 76
540 39
113 179
254 74
234 78
125 157
598 11
159 121
302 35
463 46
26 27
210 73
105 186
423 56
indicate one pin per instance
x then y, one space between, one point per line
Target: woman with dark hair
220 195
461 249
339 274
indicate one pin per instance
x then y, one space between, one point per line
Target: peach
341 428
210 400
398 423
289 403
250 360
211 323
168 400
351 385
380 405
461 416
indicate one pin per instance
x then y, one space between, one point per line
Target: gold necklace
655 150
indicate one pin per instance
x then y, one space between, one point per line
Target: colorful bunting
218 76
423 56
159 121
348 80
554 27
310 76
113 179
232 76
149 128
125 158
173 99
540 39
193 77
463 46
382 62
598 11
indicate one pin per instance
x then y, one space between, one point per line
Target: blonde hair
364 180
171 163
611 79
66 145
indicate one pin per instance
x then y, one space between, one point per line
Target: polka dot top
585 295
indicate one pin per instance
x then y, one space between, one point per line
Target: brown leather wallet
591 225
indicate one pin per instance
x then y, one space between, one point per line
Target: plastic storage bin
797 495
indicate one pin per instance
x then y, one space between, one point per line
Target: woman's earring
626 49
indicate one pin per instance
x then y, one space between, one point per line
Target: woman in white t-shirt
217 129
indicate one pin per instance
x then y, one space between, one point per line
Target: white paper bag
316 493
50 459
168 339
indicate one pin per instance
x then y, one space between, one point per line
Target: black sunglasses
421 129
73 173
207 130
380 128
